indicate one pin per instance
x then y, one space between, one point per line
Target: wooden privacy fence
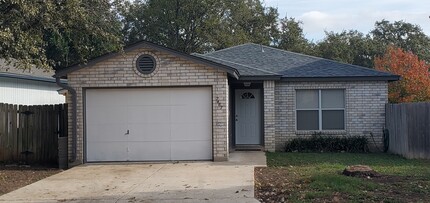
29 134
409 129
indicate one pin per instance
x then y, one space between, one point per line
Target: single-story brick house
152 103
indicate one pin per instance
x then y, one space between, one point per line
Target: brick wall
365 109
171 71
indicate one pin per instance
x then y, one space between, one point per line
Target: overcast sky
338 15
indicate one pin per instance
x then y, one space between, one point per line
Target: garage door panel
190 96
149 132
149 114
149 151
138 114
106 133
105 95
200 150
189 114
190 132
181 114
106 151
107 115
149 96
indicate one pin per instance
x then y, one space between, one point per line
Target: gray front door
248 118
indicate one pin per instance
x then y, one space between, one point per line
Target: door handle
128 132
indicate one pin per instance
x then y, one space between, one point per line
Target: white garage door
148 124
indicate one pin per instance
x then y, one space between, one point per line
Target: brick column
220 121
269 115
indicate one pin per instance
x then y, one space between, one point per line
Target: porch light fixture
247 84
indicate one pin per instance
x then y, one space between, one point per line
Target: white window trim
320 109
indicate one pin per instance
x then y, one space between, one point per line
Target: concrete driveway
231 181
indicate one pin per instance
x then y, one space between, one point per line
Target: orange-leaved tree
414 85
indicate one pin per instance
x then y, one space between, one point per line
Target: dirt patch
274 184
403 188
284 185
14 177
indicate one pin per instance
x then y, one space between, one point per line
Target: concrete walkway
231 181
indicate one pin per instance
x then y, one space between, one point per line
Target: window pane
333 120
307 99
307 120
332 98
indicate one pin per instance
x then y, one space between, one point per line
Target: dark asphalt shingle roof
257 60
244 70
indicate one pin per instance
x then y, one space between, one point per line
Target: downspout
74 115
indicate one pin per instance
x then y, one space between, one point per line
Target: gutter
29 77
74 115
389 78
264 77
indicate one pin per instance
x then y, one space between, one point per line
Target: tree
351 47
356 48
133 20
55 33
292 37
414 85
177 24
406 36
198 25
243 21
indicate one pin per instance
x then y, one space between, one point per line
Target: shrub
318 143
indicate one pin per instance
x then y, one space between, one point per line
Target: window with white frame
322 109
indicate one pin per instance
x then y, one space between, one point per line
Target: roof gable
233 72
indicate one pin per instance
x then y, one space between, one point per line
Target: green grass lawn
316 177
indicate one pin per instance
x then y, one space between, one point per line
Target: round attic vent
146 64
